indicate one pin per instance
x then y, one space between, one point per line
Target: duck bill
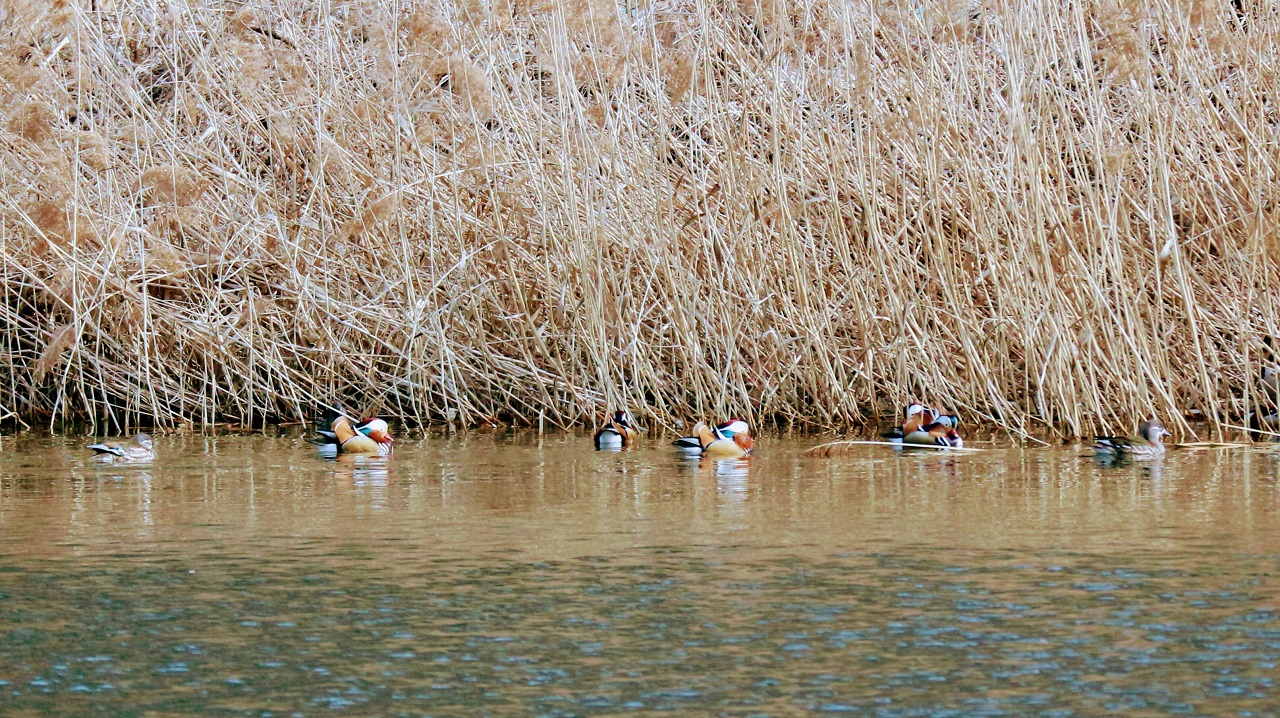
380 436
743 441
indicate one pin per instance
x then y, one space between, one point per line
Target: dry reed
1045 214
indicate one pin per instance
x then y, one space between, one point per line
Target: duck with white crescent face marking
377 442
717 443
373 429
139 450
926 426
1145 445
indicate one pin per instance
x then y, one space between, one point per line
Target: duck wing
105 449
688 442
1118 444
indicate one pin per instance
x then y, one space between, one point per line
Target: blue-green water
494 576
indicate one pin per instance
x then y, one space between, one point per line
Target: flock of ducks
730 440
335 433
924 426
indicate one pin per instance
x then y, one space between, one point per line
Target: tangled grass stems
1048 215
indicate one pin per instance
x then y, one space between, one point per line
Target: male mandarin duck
926 426
617 433
370 437
336 429
1145 445
372 429
728 430
719 444
138 451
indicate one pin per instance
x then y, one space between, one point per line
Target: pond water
511 575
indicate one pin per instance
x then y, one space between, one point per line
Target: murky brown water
499 576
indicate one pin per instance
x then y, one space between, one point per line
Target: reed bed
1052 215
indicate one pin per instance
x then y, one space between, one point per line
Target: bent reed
1052 215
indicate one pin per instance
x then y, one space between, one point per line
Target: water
495 575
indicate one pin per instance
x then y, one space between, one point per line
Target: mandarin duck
1145 445
617 433
137 451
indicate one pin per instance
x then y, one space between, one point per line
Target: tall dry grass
1052 213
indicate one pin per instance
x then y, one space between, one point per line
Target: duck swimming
370 439
718 444
1145 445
727 430
374 435
617 433
926 426
138 451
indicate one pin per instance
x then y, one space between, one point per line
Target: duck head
1153 431
378 430
143 440
949 420
733 427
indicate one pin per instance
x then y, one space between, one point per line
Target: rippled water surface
503 575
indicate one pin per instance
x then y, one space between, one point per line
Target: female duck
617 433
1145 445
138 451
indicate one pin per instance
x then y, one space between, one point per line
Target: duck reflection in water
361 470
730 479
